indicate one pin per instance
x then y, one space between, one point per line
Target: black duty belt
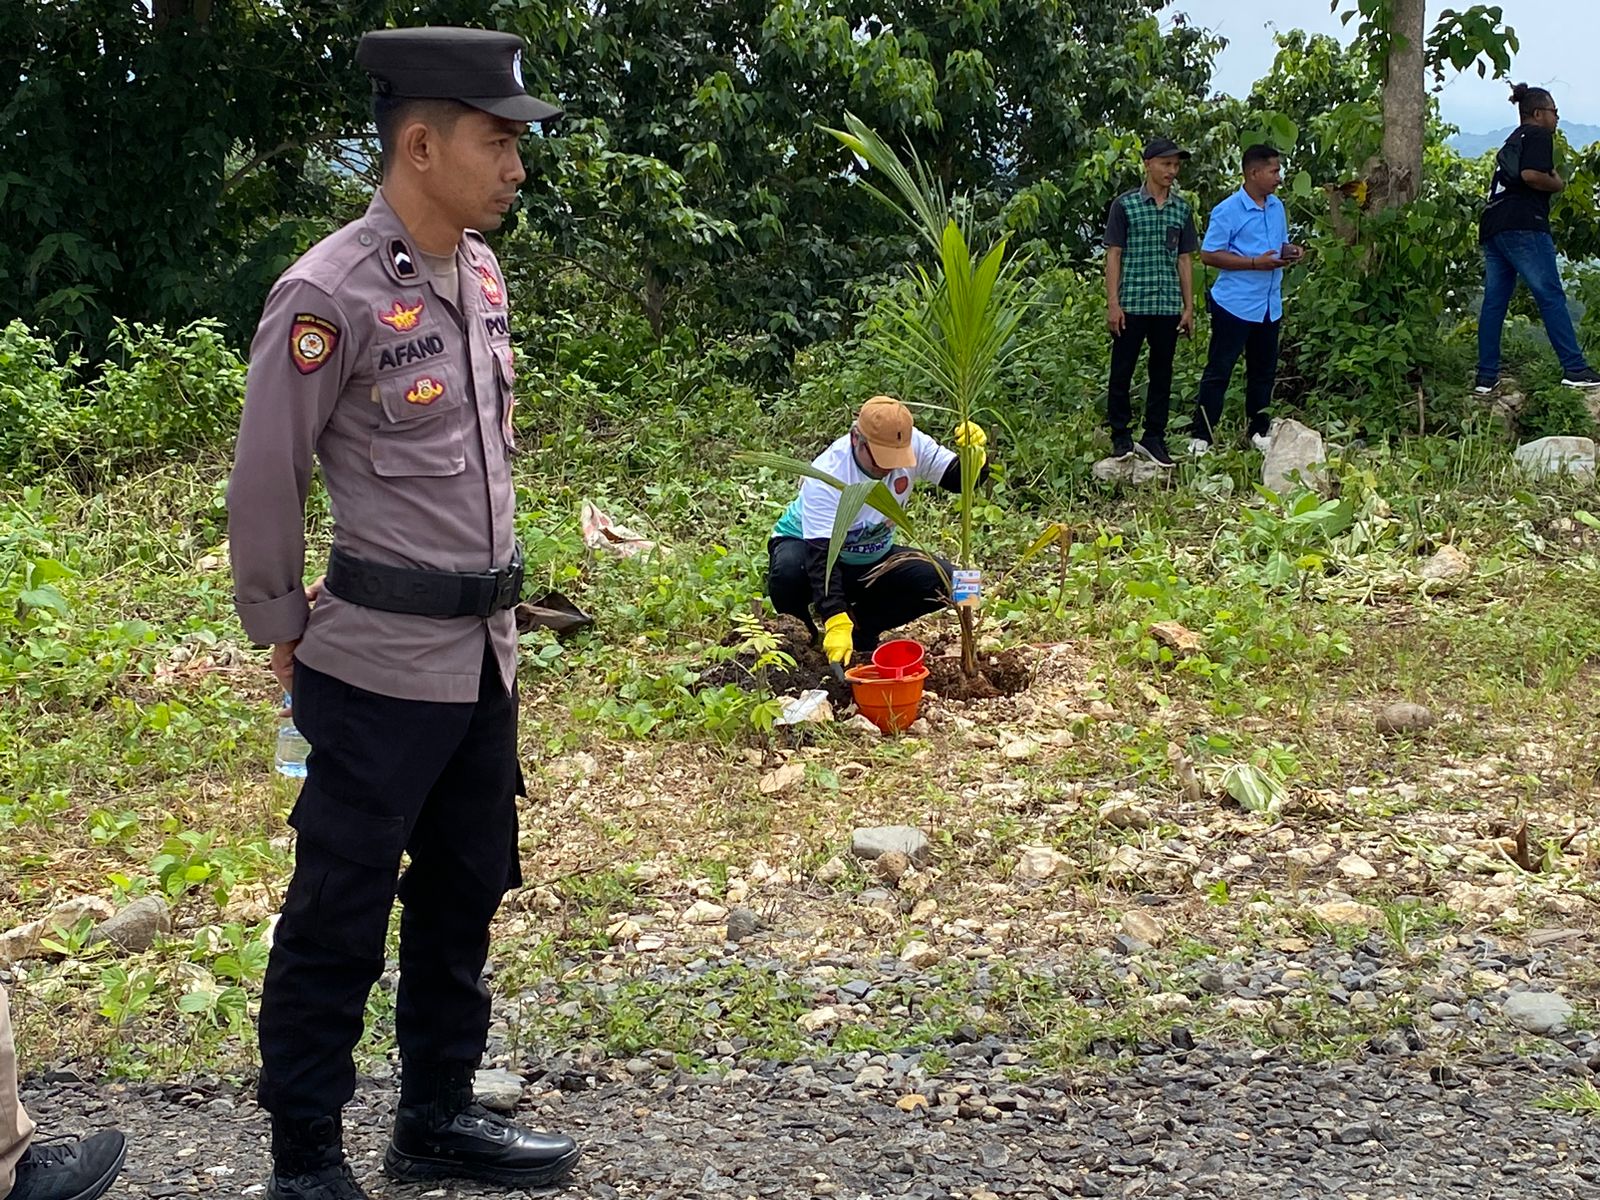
425 593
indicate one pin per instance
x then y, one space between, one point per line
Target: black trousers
908 588
384 776
1230 337
1162 335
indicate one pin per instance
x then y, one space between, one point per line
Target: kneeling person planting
875 585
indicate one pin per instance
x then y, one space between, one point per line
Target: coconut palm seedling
950 334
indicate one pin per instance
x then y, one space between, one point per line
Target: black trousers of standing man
1162 335
385 775
906 588
1231 337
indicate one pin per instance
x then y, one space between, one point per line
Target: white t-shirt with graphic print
812 512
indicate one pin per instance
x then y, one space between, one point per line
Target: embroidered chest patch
425 391
401 316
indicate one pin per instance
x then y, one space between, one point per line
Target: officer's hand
838 638
283 667
283 652
970 433
1186 323
1116 319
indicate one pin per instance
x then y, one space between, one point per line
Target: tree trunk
1405 108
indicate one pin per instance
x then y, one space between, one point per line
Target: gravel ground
1204 1123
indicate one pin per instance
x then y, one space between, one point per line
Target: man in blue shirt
1247 241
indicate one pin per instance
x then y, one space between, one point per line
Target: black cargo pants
438 781
908 587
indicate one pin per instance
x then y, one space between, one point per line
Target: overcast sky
1559 41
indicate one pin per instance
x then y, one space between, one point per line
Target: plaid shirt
1151 237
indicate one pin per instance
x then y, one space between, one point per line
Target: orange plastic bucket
890 704
898 659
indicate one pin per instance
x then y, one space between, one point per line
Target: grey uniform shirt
359 363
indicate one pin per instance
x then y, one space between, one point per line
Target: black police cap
1163 148
481 68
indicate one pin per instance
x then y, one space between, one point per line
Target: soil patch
810 670
1000 673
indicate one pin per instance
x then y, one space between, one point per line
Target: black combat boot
308 1161
441 1132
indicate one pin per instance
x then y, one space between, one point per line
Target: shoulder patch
312 341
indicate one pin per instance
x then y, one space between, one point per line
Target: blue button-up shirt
1242 226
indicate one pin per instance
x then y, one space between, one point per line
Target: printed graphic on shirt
425 391
405 267
416 350
402 317
491 287
902 485
312 341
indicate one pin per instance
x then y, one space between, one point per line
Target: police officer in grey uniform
385 354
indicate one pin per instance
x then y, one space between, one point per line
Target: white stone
919 955
1020 750
820 1018
1554 455
1295 450
1357 867
1132 469
833 870
703 912
1041 862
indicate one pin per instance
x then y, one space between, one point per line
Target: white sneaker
1260 441
1199 447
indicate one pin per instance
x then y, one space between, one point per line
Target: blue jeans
1532 257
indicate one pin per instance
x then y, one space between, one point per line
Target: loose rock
703 912
1143 926
1446 569
920 955
1133 469
497 1090
134 929
23 941
870 843
833 870
891 867
1357 867
1347 912
1537 1012
742 924
1548 456
1405 717
1295 453
1041 862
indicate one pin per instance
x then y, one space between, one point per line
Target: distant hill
1470 145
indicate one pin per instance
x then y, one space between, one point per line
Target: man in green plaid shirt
1150 240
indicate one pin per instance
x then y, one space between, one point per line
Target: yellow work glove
970 433
838 638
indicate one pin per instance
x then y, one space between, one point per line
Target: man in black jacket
1515 232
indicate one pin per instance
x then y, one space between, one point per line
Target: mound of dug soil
1000 673
811 669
